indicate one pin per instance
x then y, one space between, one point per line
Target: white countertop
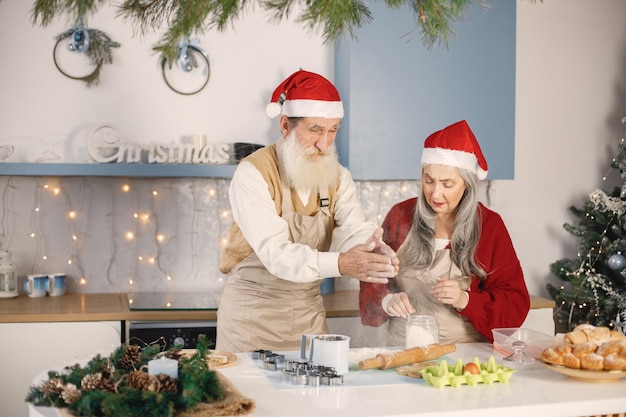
535 391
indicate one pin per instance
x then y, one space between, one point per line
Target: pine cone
143 381
70 393
174 353
91 382
131 357
107 383
168 384
51 386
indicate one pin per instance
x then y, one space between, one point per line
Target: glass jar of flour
421 330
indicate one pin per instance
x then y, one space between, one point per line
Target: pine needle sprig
336 18
436 19
181 18
46 10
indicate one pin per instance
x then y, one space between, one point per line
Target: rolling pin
406 356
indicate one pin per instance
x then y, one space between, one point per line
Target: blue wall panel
397 91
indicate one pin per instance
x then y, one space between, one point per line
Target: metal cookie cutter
305 373
271 362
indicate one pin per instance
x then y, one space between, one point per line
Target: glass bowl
536 342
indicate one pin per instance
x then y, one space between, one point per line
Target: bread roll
599 335
563 348
585 327
551 355
589 347
584 349
616 335
576 337
615 362
612 347
592 362
571 361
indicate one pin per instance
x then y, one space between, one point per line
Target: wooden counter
88 307
68 307
114 306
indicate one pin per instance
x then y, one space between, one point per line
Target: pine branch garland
333 18
109 387
46 10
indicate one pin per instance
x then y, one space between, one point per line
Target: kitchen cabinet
27 348
396 91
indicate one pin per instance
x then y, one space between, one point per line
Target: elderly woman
457 261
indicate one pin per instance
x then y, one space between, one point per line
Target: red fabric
305 85
501 300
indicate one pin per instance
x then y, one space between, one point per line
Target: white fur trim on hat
313 108
452 158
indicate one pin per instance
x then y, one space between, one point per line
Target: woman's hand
400 306
448 291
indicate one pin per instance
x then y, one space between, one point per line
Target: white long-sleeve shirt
267 233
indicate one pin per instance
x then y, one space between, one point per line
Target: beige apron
453 327
258 310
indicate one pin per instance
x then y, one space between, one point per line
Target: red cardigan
501 300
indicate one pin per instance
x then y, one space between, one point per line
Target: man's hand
375 242
374 261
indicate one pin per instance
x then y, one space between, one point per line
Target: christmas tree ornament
190 71
79 40
617 262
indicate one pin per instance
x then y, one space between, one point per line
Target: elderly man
292 201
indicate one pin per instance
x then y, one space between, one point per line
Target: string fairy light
194 229
34 226
157 233
74 227
7 197
225 222
152 219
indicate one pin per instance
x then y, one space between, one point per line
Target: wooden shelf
117 170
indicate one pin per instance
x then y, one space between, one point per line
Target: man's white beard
303 172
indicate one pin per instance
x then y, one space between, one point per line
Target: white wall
571 96
39 104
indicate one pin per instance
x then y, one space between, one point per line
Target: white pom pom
273 110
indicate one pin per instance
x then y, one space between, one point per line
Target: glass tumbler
421 330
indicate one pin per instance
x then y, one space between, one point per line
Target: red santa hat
305 94
455 146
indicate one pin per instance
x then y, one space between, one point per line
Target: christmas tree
594 289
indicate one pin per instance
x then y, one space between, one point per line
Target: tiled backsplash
125 235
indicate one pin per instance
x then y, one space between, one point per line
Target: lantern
8 275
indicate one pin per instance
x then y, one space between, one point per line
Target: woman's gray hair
419 247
